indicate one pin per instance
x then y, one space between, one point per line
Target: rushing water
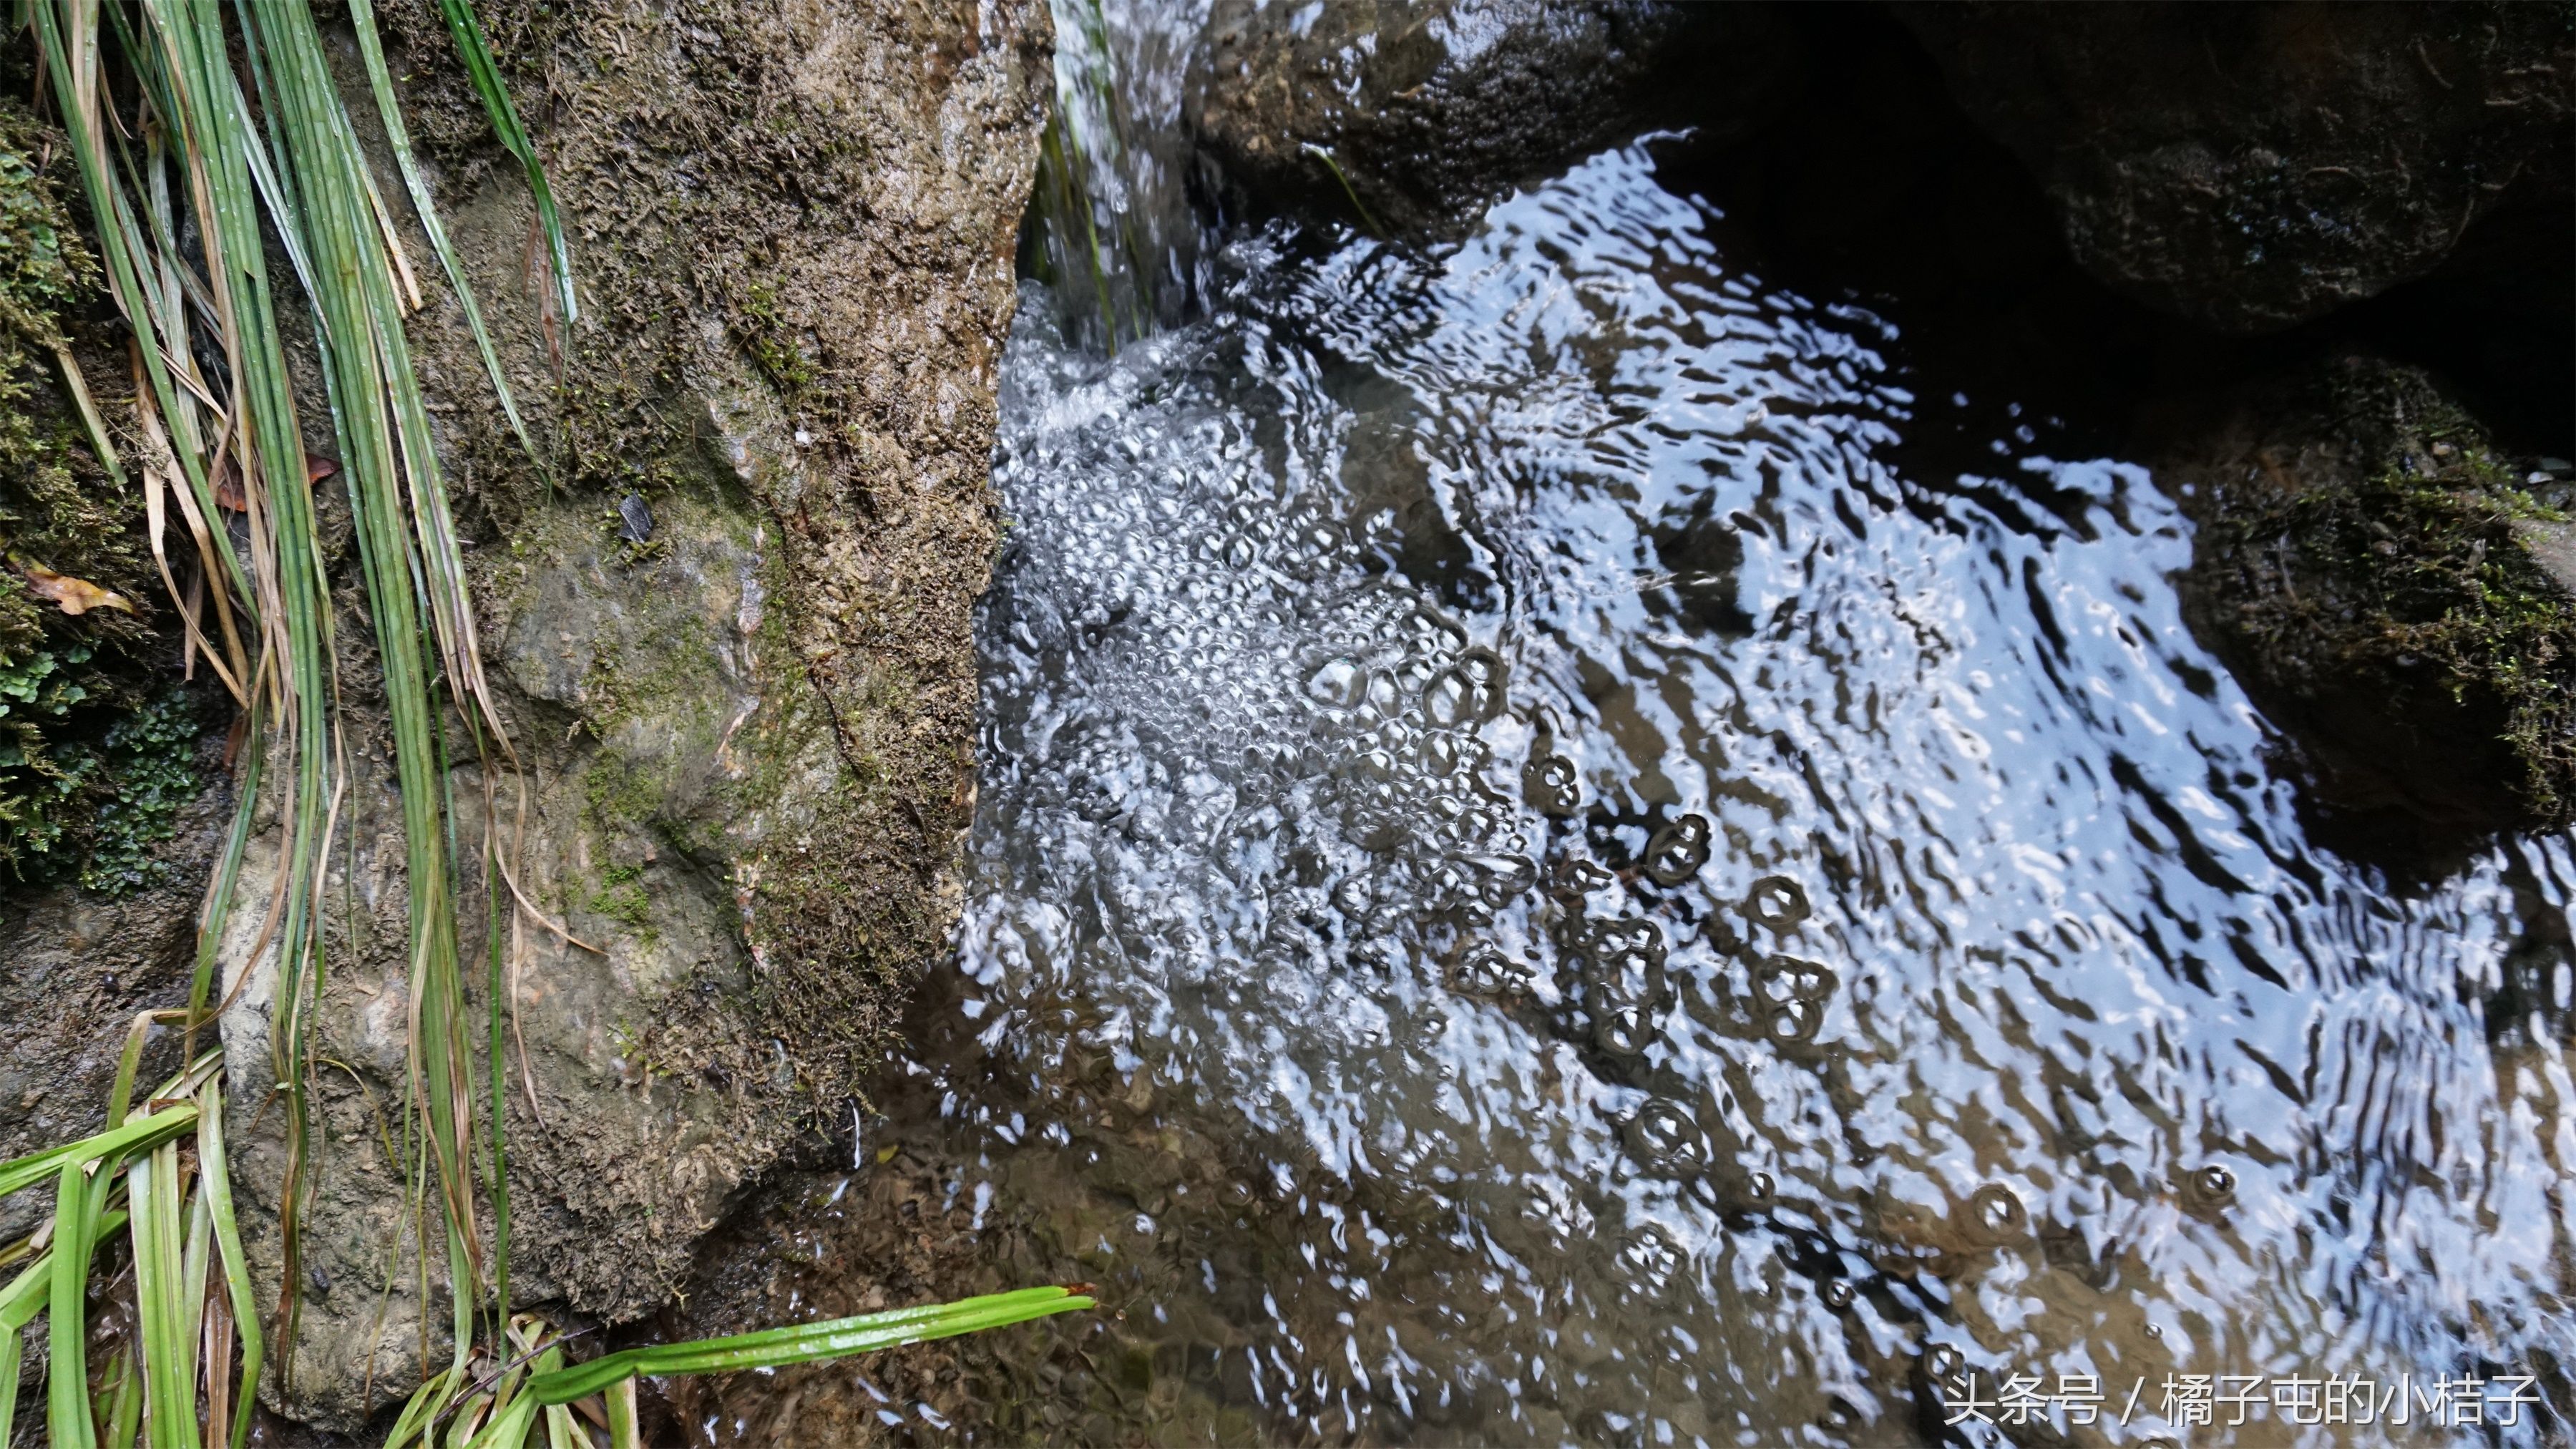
1536 881
1543 874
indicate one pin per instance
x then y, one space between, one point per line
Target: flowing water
1543 875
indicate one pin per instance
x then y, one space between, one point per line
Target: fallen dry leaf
228 483
75 596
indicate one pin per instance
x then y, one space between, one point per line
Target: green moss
2397 563
151 759
94 763
618 796
766 337
621 897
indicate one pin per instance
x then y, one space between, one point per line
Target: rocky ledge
2386 580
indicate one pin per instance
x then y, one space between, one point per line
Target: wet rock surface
2250 167
1409 116
2388 582
76 966
743 728
106 826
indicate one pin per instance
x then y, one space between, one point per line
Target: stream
1571 851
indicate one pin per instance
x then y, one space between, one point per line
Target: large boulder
2250 167
730 634
1409 116
2389 585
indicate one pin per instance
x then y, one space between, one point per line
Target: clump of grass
143 1212
231 133
66 680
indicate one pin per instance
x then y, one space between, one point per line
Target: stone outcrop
730 627
2381 578
1409 116
2250 167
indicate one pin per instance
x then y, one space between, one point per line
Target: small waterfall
1113 231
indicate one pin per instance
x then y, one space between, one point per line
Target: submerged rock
2385 581
2250 167
1409 116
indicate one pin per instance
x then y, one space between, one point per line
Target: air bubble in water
1777 902
1579 877
1469 692
1786 978
1549 784
1380 694
1355 898
1663 1135
1503 878
1678 851
2208 1191
1626 936
1995 1215
1625 1031
1795 1022
1340 684
1650 1255
1438 755
1485 971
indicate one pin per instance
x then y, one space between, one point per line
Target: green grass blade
508 1427
373 392
1334 166
623 1432
67 34
29 1292
476 51
214 1188
809 1343
120 1092
216 913
165 1327
232 179
422 1409
560 1433
91 422
67 1409
141 1132
119 1400
196 1267
559 1430
9 1356
362 15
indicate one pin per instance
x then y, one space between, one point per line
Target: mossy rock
2381 576
743 739
96 750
